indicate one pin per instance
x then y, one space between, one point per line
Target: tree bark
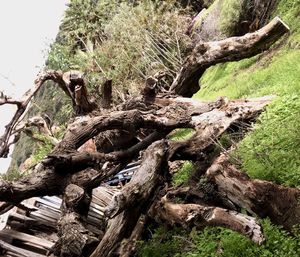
128 205
128 247
74 239
106 94
266 199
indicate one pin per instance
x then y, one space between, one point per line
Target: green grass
216 241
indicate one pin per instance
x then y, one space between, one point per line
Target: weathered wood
73 173
208 54
75 85
8 235
127 206
43 181
209 126
195 215
209 119
266 199
10 250
72 83
20 222
106 94
74 238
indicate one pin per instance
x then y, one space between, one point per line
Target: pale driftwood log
134 198
207 54
265 199
209 126
199 216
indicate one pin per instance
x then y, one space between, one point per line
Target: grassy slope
270 152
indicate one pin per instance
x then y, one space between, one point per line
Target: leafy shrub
123 41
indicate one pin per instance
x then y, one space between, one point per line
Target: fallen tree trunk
209 119
128 246
207 54
199 216
263 198
127 206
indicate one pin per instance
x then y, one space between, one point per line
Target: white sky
27 27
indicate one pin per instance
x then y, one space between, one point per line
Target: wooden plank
50 204
18 221
39 242
47 213
53 199
43 218
18 252
19 217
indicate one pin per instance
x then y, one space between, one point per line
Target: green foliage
84 21
42 150
164 243
181 134
182 175
272 150
220 242
123 41
224 242
59 57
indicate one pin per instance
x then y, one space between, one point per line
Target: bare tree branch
207 54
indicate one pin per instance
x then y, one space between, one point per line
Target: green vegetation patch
182 175
218 241
230 14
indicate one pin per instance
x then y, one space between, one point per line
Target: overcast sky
27 27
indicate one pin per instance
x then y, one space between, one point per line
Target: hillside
133 43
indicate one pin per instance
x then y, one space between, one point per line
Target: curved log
207 54
209 119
